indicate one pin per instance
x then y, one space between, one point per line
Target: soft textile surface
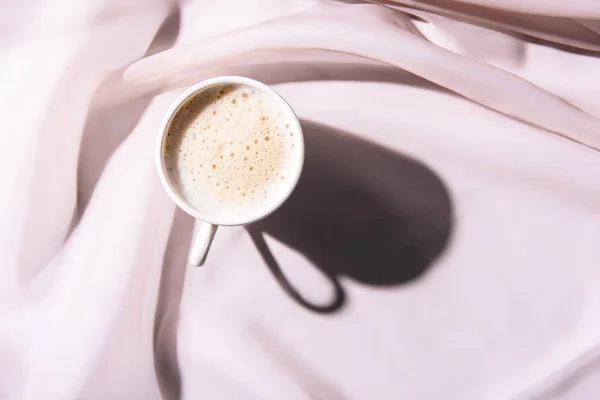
443 243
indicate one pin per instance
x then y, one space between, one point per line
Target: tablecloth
443 241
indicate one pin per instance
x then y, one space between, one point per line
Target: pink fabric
443 242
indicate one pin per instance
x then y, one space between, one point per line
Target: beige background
443 242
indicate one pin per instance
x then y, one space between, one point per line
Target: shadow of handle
339 296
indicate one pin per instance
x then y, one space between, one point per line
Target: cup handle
202 244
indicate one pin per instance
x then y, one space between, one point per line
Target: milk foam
231 152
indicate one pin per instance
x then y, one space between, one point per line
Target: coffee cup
230 151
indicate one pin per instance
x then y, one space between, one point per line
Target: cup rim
175 107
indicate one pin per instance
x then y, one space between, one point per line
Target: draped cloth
443 241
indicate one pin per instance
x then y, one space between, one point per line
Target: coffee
232 151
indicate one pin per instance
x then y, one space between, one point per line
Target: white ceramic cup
203 240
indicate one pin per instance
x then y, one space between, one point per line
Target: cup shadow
360 211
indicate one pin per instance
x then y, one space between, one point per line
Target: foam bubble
215 116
